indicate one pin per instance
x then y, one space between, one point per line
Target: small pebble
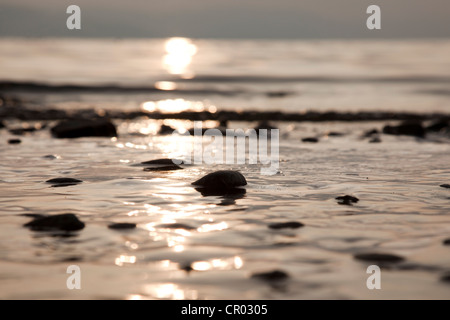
65 222
176 226
378 257
276 275
122 226
164 168
310 140
446 242
14 141
163 162
284 225
63 182
445 185
446 277
347 200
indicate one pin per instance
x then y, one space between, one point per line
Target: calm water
402 210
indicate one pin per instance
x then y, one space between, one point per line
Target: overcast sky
226 18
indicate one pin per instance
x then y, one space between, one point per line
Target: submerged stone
176 226
310 140
63 182
284 225
222 180
406 128
64 222
276 275
378 257
84 128
347 200
163 168
14 141
122 226
162 162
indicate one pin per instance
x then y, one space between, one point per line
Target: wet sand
188 245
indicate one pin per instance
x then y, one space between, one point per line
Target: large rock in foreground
64 222
84 128
223 180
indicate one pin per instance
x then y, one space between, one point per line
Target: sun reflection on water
178 56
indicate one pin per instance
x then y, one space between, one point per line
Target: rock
375 140
164 130
379 257
406 128
283 225
14 141
63 182
347 200
310 140
122 226
438 126
446 242
21 131
223 180
445 185
176 226
51 157
163 162
84 128
2 125
277 94
276 275
445 277
64 222
335 134
164 168
370 133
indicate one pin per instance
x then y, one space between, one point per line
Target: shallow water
402 209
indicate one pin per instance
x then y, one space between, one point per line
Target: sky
250 19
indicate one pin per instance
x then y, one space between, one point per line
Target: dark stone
222 180
176 226
164 130
63 182
21 131
378 257
164 168
122 226
445 277
370 133
50 157
162 162
2 125
445 185
406 128
335 134
310 140
84 128
375 140
437 126
277 94
14 141
347 200
276 275
64 222
283 225
446 242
